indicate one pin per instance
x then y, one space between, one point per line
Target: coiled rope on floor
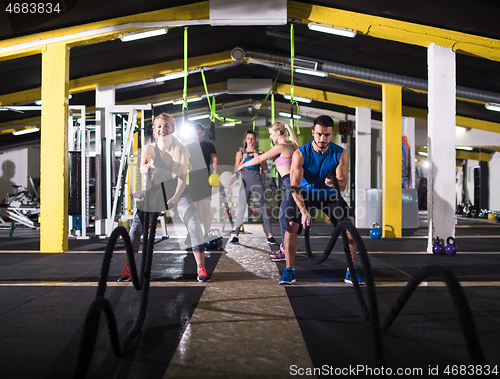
101 304
371 312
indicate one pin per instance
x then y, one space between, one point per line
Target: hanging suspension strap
213 115
211 134
184 91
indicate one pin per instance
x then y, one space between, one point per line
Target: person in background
165 162
202 153
252 182
281 153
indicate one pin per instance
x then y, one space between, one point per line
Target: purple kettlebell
438 247
451 248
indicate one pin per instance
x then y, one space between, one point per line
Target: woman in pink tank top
281 153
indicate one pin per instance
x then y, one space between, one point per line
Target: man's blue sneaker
348 280
288 276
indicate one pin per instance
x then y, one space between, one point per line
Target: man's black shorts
336 209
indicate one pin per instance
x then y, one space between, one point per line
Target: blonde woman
281 153
165 162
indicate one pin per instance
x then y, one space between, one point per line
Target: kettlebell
491 216
214 180
375 232
451 248
438 247
213 240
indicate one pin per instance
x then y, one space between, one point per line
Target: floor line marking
494 283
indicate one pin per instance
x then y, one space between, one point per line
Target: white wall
34 161
13 170
470 179
420 132
494 175
475 137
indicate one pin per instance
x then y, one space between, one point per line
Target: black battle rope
458 297
372 313
100 303
459 301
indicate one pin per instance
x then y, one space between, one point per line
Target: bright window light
140 35
288 115
174 75
199 117
298 98
26 131
185 132
332 30
311 72
493 107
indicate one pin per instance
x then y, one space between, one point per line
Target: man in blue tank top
312 190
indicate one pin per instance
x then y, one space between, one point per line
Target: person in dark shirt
201 154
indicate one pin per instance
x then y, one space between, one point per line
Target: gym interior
412 93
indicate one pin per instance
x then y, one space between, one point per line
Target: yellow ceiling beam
148 72
89 83
99 31
177 95
478 124
17 125
483 157
329 97
21 97
394 30
280 88
28 123
376 105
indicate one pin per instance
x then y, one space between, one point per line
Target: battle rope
100 303
459 300
372 313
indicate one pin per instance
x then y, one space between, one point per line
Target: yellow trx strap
213 114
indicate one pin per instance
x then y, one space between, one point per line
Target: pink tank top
280 161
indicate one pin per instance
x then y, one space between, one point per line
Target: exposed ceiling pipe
364 73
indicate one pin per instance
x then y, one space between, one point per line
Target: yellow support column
54 150
391 156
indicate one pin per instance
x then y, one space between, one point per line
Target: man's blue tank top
316 168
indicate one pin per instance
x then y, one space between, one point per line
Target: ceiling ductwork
239 54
